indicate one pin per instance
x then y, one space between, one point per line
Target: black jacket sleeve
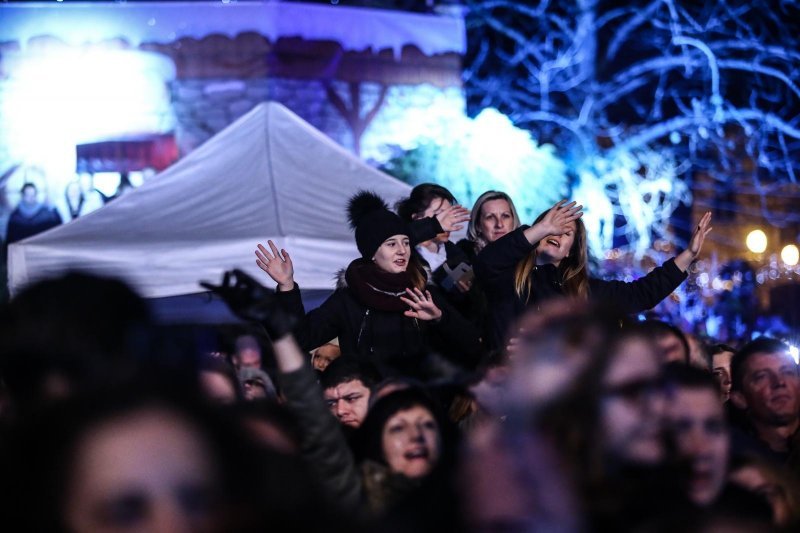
495 264
317 327
494 270
424 229
642 294
323 445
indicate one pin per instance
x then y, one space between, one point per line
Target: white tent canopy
269 175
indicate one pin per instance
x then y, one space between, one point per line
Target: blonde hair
572 268
473 232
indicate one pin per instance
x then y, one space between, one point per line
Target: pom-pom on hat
374 223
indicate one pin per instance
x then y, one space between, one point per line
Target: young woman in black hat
385 314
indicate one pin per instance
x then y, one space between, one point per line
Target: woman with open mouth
549 259
385 314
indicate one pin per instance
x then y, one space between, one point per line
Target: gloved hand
249 300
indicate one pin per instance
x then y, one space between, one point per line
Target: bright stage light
790 255
756 241
55 100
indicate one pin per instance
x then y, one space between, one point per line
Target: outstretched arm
277 265
322 441
685 258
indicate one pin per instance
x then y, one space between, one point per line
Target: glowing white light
475 155
794 351
756 241
56 100
790 254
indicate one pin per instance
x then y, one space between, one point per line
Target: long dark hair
573 268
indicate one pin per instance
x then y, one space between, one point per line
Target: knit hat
374 223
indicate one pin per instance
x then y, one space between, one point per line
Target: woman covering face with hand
384 314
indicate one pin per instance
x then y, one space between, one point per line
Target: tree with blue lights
641 97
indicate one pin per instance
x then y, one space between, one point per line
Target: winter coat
392 342
496 263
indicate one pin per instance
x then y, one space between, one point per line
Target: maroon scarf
376 288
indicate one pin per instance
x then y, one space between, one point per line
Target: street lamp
756 241
790 255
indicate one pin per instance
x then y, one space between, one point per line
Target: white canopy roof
269 175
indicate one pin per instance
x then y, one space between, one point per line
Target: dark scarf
377 289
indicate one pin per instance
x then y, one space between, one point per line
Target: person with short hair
697 425
346 386
766 386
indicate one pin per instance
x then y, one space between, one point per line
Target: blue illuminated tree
631 93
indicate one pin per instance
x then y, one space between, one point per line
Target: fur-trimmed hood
340 278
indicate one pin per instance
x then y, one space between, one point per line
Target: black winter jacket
495 265
393 343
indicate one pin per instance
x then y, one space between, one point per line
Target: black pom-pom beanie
373 222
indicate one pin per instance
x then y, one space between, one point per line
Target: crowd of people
491 384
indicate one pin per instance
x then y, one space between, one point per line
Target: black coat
495 265
392 342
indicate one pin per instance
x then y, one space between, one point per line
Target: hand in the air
277 264
684 259
557 219
699 235
453 218
422 305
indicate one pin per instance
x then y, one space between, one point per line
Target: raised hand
699 236
452 218
249 300
422 305
703 228
557 219
277 265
